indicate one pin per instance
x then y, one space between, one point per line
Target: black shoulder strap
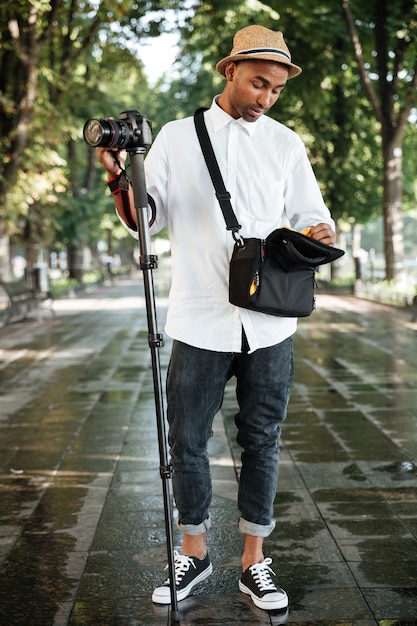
223 196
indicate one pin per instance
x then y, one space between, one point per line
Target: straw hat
258 42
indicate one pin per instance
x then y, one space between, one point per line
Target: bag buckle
239 241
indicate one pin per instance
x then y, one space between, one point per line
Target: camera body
131 131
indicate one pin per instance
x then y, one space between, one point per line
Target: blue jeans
195 387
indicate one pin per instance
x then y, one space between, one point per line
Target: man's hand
323 233
108 157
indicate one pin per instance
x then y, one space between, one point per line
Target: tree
383 38
323 105
63 61
326 105
47 50
42 44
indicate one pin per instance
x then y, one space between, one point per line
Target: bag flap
301 249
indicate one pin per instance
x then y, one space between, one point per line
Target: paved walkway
82 538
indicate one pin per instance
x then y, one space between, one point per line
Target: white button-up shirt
271 182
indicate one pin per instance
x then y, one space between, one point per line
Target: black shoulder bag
275 275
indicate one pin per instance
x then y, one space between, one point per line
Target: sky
158 55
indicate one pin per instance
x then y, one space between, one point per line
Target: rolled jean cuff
195 529
256 530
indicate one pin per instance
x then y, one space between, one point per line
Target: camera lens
106 133
131 131
93 132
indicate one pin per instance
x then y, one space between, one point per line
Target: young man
271 182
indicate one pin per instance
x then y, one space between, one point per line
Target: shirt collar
221 119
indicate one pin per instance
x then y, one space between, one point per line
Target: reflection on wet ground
82 535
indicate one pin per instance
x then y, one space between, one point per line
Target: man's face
252 88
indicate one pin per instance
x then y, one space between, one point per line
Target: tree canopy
63 62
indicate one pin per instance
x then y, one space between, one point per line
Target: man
272 184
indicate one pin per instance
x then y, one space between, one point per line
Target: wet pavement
82 535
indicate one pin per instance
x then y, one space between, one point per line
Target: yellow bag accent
305 231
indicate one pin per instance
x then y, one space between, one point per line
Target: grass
398 292
64 286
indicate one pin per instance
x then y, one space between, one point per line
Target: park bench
18 301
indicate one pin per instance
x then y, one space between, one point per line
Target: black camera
131 131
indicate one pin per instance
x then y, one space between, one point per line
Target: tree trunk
76 247
32 255
391 105
5 269
76 262
20 74
393 215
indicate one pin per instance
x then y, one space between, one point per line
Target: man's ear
230 70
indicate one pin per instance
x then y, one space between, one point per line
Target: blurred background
355 107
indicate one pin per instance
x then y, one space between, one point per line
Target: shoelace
261 573
182 564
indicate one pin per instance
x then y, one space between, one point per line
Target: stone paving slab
82 535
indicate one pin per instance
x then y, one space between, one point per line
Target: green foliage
323 105
397 292
63 62
410 167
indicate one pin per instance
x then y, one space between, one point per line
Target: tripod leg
147 264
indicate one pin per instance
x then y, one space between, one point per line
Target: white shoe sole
266 603
162 595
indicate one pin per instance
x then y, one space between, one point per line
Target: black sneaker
256 581
188 572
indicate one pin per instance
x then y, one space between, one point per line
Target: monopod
135 135
148 263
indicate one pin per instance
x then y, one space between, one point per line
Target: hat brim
293 70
